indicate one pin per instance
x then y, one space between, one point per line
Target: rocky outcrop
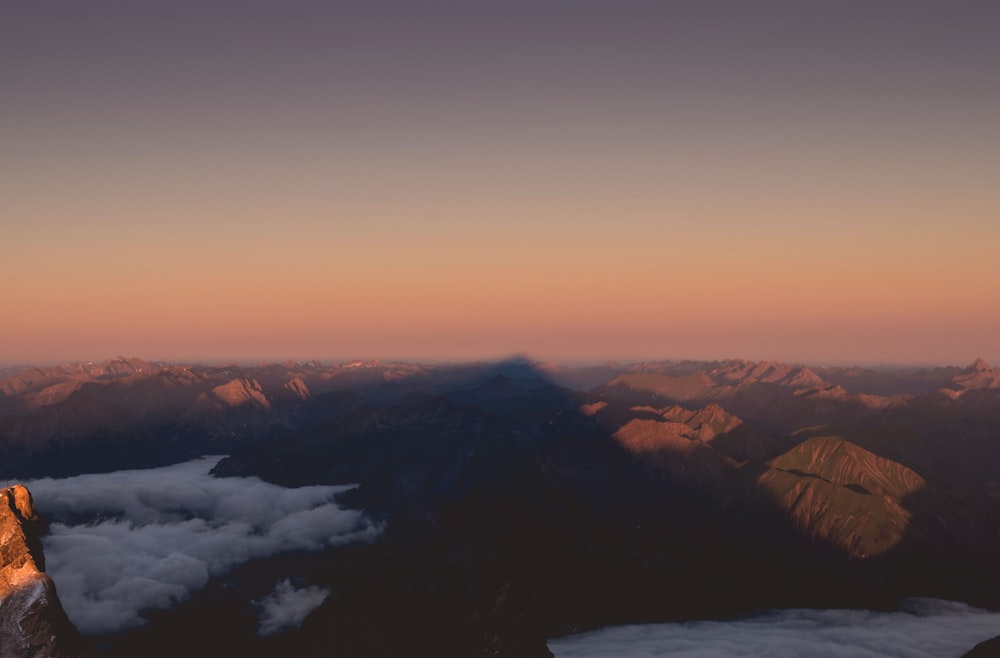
837 492
298 388
242 391
675 449
707 422
32 620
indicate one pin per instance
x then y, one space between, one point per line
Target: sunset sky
576 181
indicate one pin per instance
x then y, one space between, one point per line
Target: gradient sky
578 181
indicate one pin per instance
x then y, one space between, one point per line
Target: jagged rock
977 376
298 387
242 391
32 620
706 423
675 449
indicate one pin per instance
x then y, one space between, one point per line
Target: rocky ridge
32 620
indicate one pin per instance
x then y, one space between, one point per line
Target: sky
574 181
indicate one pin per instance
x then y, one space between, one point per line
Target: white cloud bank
287 606
925 628
130 541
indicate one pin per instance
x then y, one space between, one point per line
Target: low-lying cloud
130 541
287 606
924 628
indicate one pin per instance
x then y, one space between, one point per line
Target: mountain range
522 500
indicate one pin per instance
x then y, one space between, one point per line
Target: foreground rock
32 620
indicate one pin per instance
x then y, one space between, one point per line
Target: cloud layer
923 629
287 606
130 541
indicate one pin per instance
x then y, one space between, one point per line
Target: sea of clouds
125 542
922 628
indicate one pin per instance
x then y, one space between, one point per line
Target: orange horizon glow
576 298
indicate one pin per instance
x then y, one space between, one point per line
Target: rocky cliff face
32 620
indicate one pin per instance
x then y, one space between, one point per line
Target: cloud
924 628
287 606
124 542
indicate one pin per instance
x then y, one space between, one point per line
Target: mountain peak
240 391
979 365
978 375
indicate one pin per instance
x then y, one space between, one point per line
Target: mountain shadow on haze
128 413
505 516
